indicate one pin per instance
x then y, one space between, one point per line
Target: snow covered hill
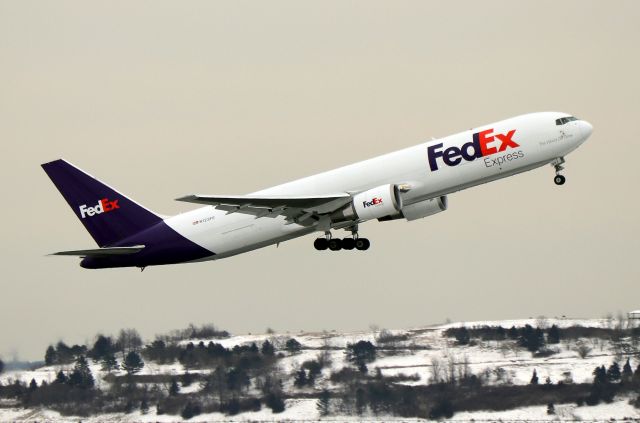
412 355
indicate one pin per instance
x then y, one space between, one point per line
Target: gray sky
162 99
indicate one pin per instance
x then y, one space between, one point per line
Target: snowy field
304 410
413 355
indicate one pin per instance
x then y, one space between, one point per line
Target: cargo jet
410 184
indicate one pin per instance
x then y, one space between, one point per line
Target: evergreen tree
513 333
237 379
534 378
187 379
109 363
50 356
600 376
102 348
551 409
361 401
81 376
300 379
1 366
61 377
539 338
132 363
275 402
33 385
144 406
314 368
63 353
360 353
174 389
323 403
267 348
553 336
293 346
462 336
613 373
531 339
627 372
190 410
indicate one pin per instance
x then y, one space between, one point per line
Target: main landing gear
335 244
557 164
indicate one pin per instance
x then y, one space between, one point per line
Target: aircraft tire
335 244
321 244
362 244
559 180
348 243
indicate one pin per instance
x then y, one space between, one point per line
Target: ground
414 356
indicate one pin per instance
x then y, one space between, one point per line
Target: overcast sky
163 99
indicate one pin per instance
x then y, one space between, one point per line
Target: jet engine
372 204
419 210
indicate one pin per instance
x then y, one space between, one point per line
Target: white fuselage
429 169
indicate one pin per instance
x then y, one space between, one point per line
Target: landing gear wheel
348 243
335 244
321 244
362 244
559 180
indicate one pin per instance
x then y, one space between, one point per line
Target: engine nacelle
372 204
420 209
425 208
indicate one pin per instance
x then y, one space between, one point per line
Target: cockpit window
564 120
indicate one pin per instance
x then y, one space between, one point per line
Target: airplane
409 184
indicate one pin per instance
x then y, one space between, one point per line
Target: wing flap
102 252
290 207
300 202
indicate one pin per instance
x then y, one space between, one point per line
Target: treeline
363 393
225 388
248 378
528 337
210 355
104 347
536 339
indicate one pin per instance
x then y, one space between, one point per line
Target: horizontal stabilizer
102 252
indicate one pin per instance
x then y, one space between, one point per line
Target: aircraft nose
587 129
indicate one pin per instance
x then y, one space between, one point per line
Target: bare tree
621 321
501 374
582 349
464 369
542 322
504 348
609 320
129 340
436 370
450 369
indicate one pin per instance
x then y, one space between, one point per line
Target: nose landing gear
559 179
557 164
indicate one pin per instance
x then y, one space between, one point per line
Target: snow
305 410
618 410
411 356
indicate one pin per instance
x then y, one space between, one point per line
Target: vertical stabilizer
108 215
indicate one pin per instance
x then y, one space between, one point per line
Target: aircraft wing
295 208
101 252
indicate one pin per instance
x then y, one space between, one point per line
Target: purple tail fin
108 215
